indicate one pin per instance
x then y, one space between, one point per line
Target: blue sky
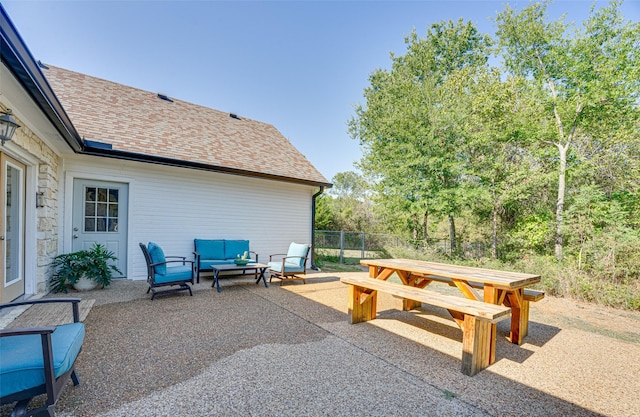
301 66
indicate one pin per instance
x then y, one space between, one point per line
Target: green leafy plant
91 263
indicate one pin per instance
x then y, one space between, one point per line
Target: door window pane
101 209
12 230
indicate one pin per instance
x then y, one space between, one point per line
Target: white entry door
100 215
12 196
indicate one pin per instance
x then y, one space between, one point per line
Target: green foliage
586 85
325 217
346 206
330 262
411 129
537 157
532 234
604 241
92 263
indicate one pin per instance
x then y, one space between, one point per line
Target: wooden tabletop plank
502 279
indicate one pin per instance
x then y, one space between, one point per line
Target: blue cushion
298 249
22 364
157 255
233 248
175 273
210 249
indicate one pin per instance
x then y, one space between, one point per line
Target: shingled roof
120 121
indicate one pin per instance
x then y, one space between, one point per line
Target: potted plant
90 266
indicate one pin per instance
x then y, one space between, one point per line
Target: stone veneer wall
47 216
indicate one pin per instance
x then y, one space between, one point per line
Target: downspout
313 226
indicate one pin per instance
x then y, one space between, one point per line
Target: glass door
12 194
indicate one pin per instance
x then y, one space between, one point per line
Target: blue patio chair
167 271
294 262
39 360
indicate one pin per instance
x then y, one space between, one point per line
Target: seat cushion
210 249
175 273
233 248
22 364
288 267
157 255
298 249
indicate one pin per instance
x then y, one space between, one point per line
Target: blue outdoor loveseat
210 252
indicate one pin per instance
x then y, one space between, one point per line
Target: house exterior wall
47 180
172 206
41 224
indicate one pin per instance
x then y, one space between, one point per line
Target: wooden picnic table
499 287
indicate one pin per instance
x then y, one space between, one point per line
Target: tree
587 83
409 133
325 217
346 205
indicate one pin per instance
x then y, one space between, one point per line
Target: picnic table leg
519 315
408 304
491 296
373 271
477 351
362 304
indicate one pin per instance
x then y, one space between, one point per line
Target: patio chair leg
21 408
74 378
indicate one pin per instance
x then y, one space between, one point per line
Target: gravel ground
290 351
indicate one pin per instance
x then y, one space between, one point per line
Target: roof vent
234 116
164 97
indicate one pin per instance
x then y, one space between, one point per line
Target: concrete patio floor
290 351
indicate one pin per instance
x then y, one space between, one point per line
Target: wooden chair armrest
304 265
276 254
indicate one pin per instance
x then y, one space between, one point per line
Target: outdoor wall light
8 126
39 199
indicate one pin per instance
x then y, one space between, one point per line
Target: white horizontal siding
172 206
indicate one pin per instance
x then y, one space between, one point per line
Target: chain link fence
353 246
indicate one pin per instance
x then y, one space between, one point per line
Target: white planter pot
85 284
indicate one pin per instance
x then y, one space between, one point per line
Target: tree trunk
494 232
425 230
452 233
494 238
560 204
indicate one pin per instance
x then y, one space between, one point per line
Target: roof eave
138 157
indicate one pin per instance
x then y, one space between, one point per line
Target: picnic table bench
475 318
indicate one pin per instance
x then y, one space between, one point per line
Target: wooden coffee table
259 270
